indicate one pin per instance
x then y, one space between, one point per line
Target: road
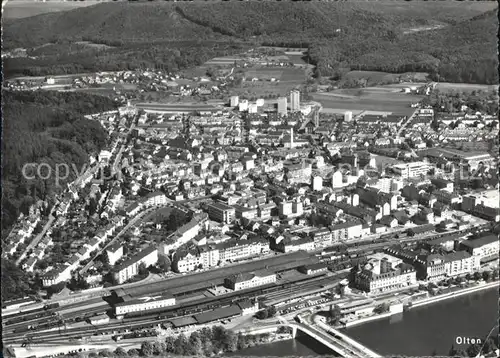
127 227
37 239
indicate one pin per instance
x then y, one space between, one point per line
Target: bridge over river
326 335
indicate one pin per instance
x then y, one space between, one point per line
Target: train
27 318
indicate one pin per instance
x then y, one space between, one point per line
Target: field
378 99
463 87
18 9
289 78
375 77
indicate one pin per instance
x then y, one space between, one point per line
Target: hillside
45 127
391 37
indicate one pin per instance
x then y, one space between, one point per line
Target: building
248 307
114 252
131 304
436 266
348 116
129 268
221 212
317 183
234 101
99 319
295 101
314 269
384 273
485 247
282 106
411 170
248 280
243 105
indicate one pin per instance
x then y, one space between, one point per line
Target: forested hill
390 36
45 127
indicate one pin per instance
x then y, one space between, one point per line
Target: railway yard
195 300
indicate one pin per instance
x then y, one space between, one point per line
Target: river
430 329
419 332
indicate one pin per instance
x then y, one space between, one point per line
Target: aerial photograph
250 178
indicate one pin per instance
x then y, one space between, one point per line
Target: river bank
465 291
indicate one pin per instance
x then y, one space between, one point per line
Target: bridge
329 337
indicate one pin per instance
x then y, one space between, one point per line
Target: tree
271 311
335 314
195 344
473 350
120 352
262 314
477 276
105 353
133 352
164 263
146 349
159 348
181 345
486 275
169 344
143 270
489 346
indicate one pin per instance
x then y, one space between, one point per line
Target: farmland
382 99
463 87
285 79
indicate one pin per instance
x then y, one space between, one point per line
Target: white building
130 268
295 101
114 252
384 273
243 105
317 183
348 116
130 304
234 101
411 170
282 106
249 280
486 247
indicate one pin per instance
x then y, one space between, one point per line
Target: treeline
64 58
484 102
14 281
45 127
